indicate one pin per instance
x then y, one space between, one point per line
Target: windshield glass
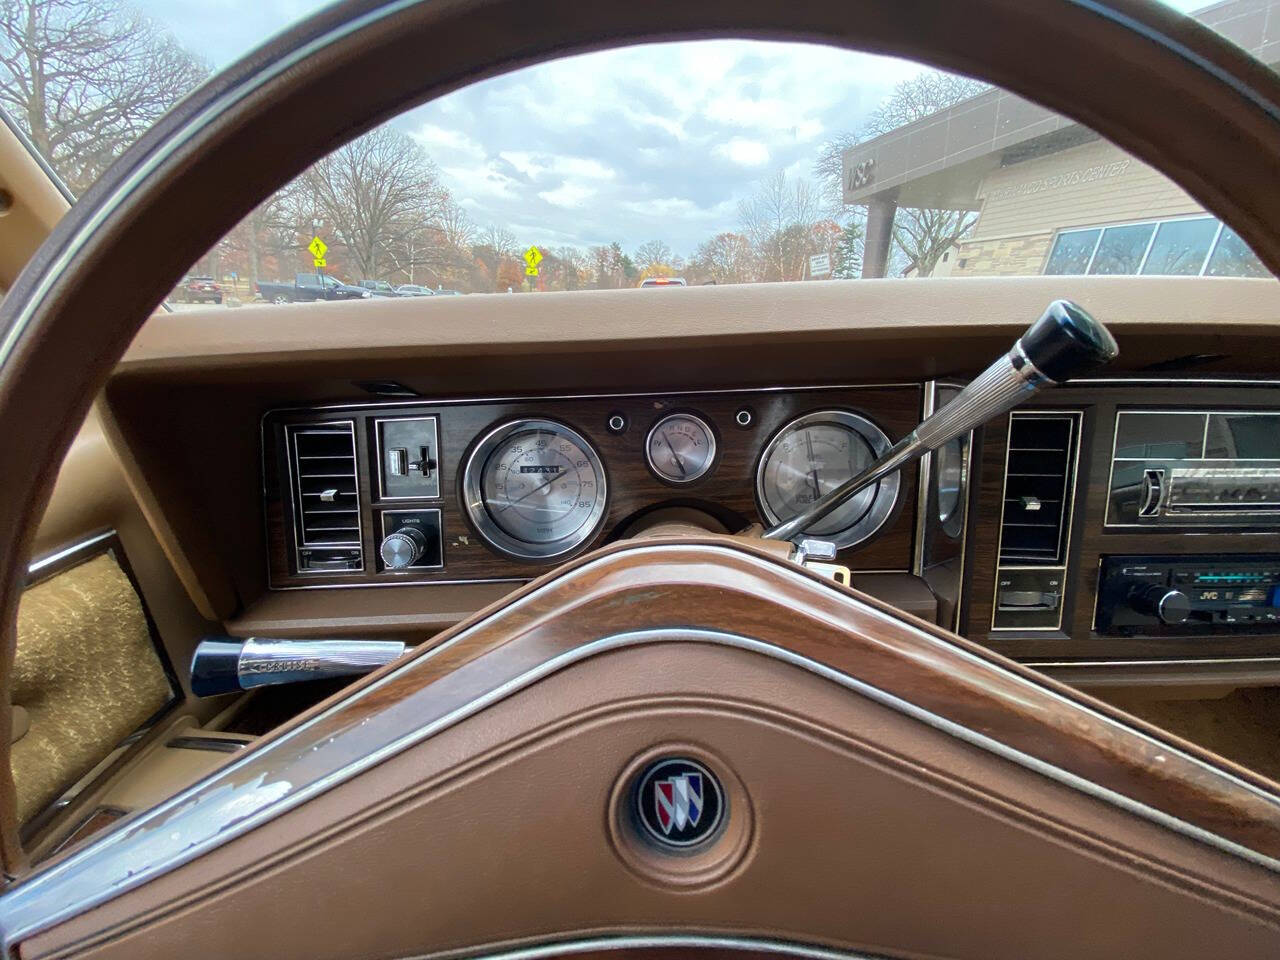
659 166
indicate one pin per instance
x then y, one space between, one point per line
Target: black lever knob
1067 341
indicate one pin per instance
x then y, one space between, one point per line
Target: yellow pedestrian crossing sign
318 249
533 257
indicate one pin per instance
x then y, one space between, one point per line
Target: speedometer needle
512 503
675 456
813 475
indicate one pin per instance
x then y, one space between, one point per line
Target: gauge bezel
888 489
713 446
477 510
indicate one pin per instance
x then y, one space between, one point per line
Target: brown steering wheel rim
81 299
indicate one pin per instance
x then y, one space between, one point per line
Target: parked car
663 282
307 287
441 292
414 290
198 290
379 288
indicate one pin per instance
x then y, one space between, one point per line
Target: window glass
1180 247
1121 248
1233 258
679 164
1072 252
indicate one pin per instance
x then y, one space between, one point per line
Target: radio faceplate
1189 595
1195 469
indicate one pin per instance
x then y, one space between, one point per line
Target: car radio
1172 596
1179 469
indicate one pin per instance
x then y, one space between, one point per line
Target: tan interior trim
603 603
881 315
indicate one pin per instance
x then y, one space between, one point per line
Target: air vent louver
326 493
1039 479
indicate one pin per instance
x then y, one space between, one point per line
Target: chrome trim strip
1172 382
1179 662
666 941
90 545
924 476
191 823
540 398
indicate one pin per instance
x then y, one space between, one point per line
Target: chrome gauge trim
477 511
887 490
679 942
711 449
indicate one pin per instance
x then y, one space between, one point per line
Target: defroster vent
326 495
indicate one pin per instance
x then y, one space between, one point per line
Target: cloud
745 153
568 195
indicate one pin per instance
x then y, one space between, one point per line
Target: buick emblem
679 802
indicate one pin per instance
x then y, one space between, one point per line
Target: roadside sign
533 257
318 248
820 265
319 261
531 271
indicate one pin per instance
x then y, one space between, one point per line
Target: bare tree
778 220
381 197
725 258
85 78
655 253
455 226
922 234
499 240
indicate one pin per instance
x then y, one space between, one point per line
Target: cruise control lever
1064 343
230 664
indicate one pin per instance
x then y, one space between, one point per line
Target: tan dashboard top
897 323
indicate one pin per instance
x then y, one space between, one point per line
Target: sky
657 142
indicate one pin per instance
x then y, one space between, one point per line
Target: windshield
668 165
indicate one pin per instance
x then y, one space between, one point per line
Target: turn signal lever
1064 343
231 664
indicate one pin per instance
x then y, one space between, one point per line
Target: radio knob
403 548
1164 603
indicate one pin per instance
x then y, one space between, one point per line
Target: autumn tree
380 197
85 78
921 234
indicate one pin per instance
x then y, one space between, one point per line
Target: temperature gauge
680 448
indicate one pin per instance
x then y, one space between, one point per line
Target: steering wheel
669 744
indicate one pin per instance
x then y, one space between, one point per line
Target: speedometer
814 454
534 489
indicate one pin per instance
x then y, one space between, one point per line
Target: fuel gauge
680 448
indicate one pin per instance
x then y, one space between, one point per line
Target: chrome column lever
228 664
1064 343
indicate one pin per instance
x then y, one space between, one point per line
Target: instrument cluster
537 489
502 489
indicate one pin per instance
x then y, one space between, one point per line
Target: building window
1186 246
1181 247
1121 249
1072 252
1233 258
